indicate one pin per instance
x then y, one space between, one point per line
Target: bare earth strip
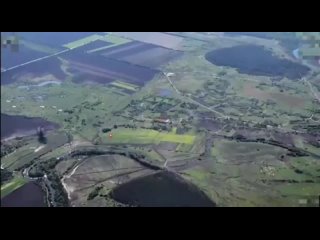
152 57
123 48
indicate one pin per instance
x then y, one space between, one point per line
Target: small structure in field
170 74
162 120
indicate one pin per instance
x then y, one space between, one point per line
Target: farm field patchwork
115 113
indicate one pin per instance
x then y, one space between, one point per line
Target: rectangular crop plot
147 136
156 38
124 85
12 186
148 55
105 70
94 45
83 41
57 39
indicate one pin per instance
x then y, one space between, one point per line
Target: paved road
36 60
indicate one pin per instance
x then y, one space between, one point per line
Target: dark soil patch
108 69
47 66
284 138
212 125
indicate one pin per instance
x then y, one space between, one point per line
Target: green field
83 41
125 85
38 47
146 136
12 185
89 103
252 174
232 151
34 149
115 40
21 156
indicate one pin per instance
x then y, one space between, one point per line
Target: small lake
163 189
256 60
29 195
22 126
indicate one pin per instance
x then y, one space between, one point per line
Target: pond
256 60
29 195
14 126
162 189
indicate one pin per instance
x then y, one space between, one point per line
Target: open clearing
292 101
255 174
146 136
14 184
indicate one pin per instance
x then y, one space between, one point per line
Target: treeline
5 175
94 192
135 156
26 165
293 151
9 148
60 197
44 167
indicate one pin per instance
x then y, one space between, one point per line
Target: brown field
290 101
139 53
157 38
250 90
153 57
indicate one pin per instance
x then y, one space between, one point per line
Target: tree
41 137
105 130
222 73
